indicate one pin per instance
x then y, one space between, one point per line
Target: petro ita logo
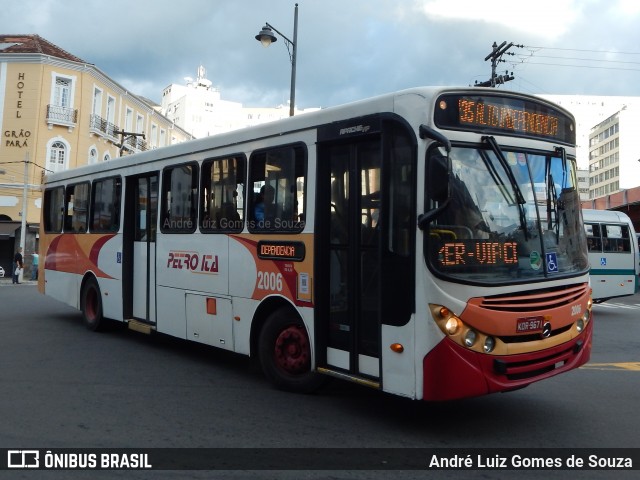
23 459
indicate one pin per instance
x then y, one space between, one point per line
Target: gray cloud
347 50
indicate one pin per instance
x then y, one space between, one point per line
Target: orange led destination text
482 253
508 118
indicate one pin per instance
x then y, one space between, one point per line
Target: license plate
529 324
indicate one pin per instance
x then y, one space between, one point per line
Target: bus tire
91 305
285 353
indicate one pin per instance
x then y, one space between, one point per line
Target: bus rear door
139 249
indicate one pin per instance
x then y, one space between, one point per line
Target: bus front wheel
91 305
285 353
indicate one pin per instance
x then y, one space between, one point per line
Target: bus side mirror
438 175
438 186
439 166
438 170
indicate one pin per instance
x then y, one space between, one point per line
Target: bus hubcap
292 350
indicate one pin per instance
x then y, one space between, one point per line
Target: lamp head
266 36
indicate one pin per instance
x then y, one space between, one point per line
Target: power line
582 66
586 59
615 52
609 64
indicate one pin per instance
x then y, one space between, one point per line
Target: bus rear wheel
91 305
285 353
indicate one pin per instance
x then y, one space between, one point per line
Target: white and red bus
428 243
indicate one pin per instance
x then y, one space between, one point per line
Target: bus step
138 326
349 377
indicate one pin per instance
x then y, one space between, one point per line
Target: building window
140 124
57 156
97 101
93 155
154 136
111 109
62 92
106 157
60 109
128 119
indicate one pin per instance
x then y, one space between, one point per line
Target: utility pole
496 57
23 225
124 136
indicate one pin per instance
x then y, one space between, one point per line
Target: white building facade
607 138
614 153
198 108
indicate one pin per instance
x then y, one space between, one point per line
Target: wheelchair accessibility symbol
603 261
552 262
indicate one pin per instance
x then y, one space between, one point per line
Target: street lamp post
266 37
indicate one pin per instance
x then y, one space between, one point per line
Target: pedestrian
17 266
34 267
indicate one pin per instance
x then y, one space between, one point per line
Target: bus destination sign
504 115
475 253
268 250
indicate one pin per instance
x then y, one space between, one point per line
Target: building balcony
67 117
103 128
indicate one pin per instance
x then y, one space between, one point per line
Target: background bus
613 254
427 243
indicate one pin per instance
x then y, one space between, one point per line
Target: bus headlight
580 325
586 316
452 325
469 338
489 344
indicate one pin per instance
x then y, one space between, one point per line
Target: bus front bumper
450 371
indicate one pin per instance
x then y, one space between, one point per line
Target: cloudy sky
347 49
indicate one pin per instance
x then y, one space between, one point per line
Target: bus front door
141 213
349 261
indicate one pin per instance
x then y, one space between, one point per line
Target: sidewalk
4 281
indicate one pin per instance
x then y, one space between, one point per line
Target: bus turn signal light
397 347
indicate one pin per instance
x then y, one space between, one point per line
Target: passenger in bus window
264 208
594 244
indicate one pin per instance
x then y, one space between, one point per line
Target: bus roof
379 104
590 215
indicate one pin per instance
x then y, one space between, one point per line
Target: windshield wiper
552 207
520 201
554 204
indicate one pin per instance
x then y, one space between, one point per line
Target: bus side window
616 238
106 196
222 194
277 179
593 237
179 197
53 210
77 208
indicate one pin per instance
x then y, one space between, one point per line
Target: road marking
633 366
633 306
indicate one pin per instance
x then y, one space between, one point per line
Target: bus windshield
509 215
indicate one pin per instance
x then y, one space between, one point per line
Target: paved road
63 386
